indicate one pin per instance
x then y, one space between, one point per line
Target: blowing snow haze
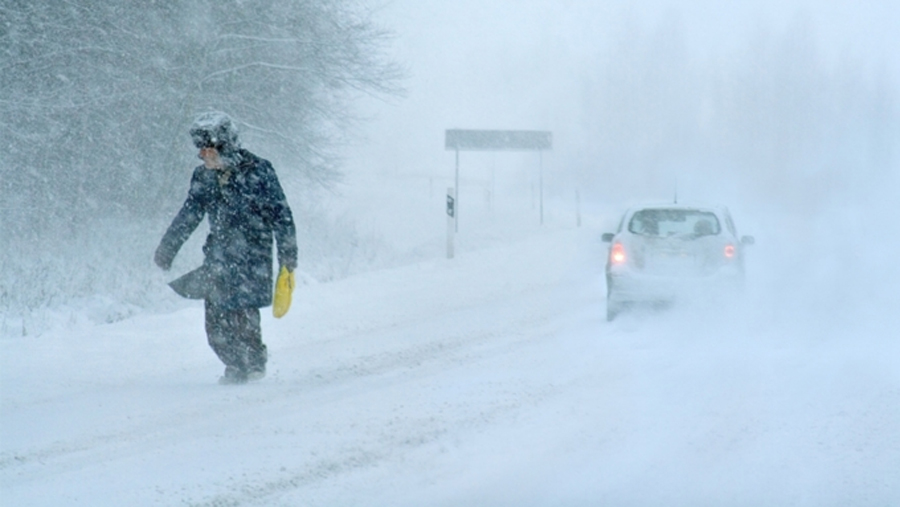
783 109
763 100
405 377
786 112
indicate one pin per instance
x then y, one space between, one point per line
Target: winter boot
233 375
256 373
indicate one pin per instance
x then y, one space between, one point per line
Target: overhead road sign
496 140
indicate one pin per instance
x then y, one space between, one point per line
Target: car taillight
729 251
617 254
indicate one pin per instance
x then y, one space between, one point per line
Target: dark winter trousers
236 337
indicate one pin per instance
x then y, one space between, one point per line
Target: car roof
715 208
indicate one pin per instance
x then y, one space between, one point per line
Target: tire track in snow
366 455
505 402
453 349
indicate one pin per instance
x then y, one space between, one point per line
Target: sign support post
456 191
577 208
541 181
451 221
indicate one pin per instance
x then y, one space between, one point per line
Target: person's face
211 158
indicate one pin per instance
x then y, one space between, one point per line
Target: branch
250 65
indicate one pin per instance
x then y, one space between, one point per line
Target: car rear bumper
629 286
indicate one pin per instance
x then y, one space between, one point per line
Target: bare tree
95 101
96 96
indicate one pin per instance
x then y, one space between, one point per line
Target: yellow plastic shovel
284 287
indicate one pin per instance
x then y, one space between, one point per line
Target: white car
663 253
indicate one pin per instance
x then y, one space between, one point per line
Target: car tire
612 308
612 311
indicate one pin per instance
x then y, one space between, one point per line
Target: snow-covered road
492 379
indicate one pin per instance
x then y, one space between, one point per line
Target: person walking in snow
246 206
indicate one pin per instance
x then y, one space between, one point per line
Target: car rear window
674 222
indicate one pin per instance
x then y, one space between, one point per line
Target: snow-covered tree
96 97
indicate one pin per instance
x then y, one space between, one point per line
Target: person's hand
162 260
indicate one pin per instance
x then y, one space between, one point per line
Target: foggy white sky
519 64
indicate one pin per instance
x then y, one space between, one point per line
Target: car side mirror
607 237
747 240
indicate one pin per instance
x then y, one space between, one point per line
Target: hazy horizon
672 80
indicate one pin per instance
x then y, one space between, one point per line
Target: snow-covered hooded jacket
246 207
